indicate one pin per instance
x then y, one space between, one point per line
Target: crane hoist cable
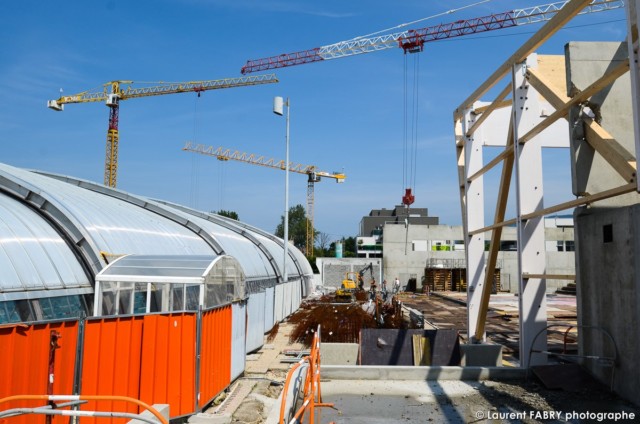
410 131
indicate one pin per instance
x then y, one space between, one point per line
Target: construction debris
342 322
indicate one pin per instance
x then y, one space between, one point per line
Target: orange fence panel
215 363
148 357
169 362
24 363
111 364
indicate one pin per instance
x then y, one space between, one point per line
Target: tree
297 226
323 243
348 247
228 214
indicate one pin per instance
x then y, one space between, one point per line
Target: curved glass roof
93 222
34 257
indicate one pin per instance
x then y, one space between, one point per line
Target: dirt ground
533 403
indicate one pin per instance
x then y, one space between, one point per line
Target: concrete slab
203 418
368 402
339 353
364 372
481 355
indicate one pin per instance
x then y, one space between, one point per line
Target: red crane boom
412 41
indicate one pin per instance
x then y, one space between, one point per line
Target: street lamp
278 103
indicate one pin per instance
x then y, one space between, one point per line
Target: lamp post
278 104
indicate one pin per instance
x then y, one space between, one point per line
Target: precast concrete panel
238 333
256 306
586 63
288 298
278 305
269 305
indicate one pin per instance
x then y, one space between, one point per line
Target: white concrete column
474 214
529 198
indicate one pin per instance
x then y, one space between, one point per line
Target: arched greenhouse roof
57 233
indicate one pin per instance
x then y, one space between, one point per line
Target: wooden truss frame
524 132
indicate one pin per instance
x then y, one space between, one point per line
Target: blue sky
346 114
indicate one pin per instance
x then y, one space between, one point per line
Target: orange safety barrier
24 359
168 368
151 357
215 363
112 361
53 398
312 396
148 357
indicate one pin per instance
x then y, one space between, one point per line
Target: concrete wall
400 260
608 293
333 270
607 233
586 62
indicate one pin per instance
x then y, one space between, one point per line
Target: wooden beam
627 188
615 154
550 276
487 112
618 191
504 154
551 27
562 110
499 105
511 221
494 246
598 138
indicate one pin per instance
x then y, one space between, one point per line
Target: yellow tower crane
113 92
311 171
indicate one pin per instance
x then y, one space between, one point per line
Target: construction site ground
253 398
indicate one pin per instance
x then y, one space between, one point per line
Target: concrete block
163 409
339 353
481 355
210 419
431 373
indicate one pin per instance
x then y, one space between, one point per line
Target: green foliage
297 226
228 214
348 248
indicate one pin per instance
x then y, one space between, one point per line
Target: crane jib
412 41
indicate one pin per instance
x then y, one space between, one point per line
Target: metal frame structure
523 127
412 41
113 92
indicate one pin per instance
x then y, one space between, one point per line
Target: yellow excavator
353 282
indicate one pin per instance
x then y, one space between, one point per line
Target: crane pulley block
408 198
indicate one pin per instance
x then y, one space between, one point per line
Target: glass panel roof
159 266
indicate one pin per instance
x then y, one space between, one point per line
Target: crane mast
412 41
312 172
113 92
